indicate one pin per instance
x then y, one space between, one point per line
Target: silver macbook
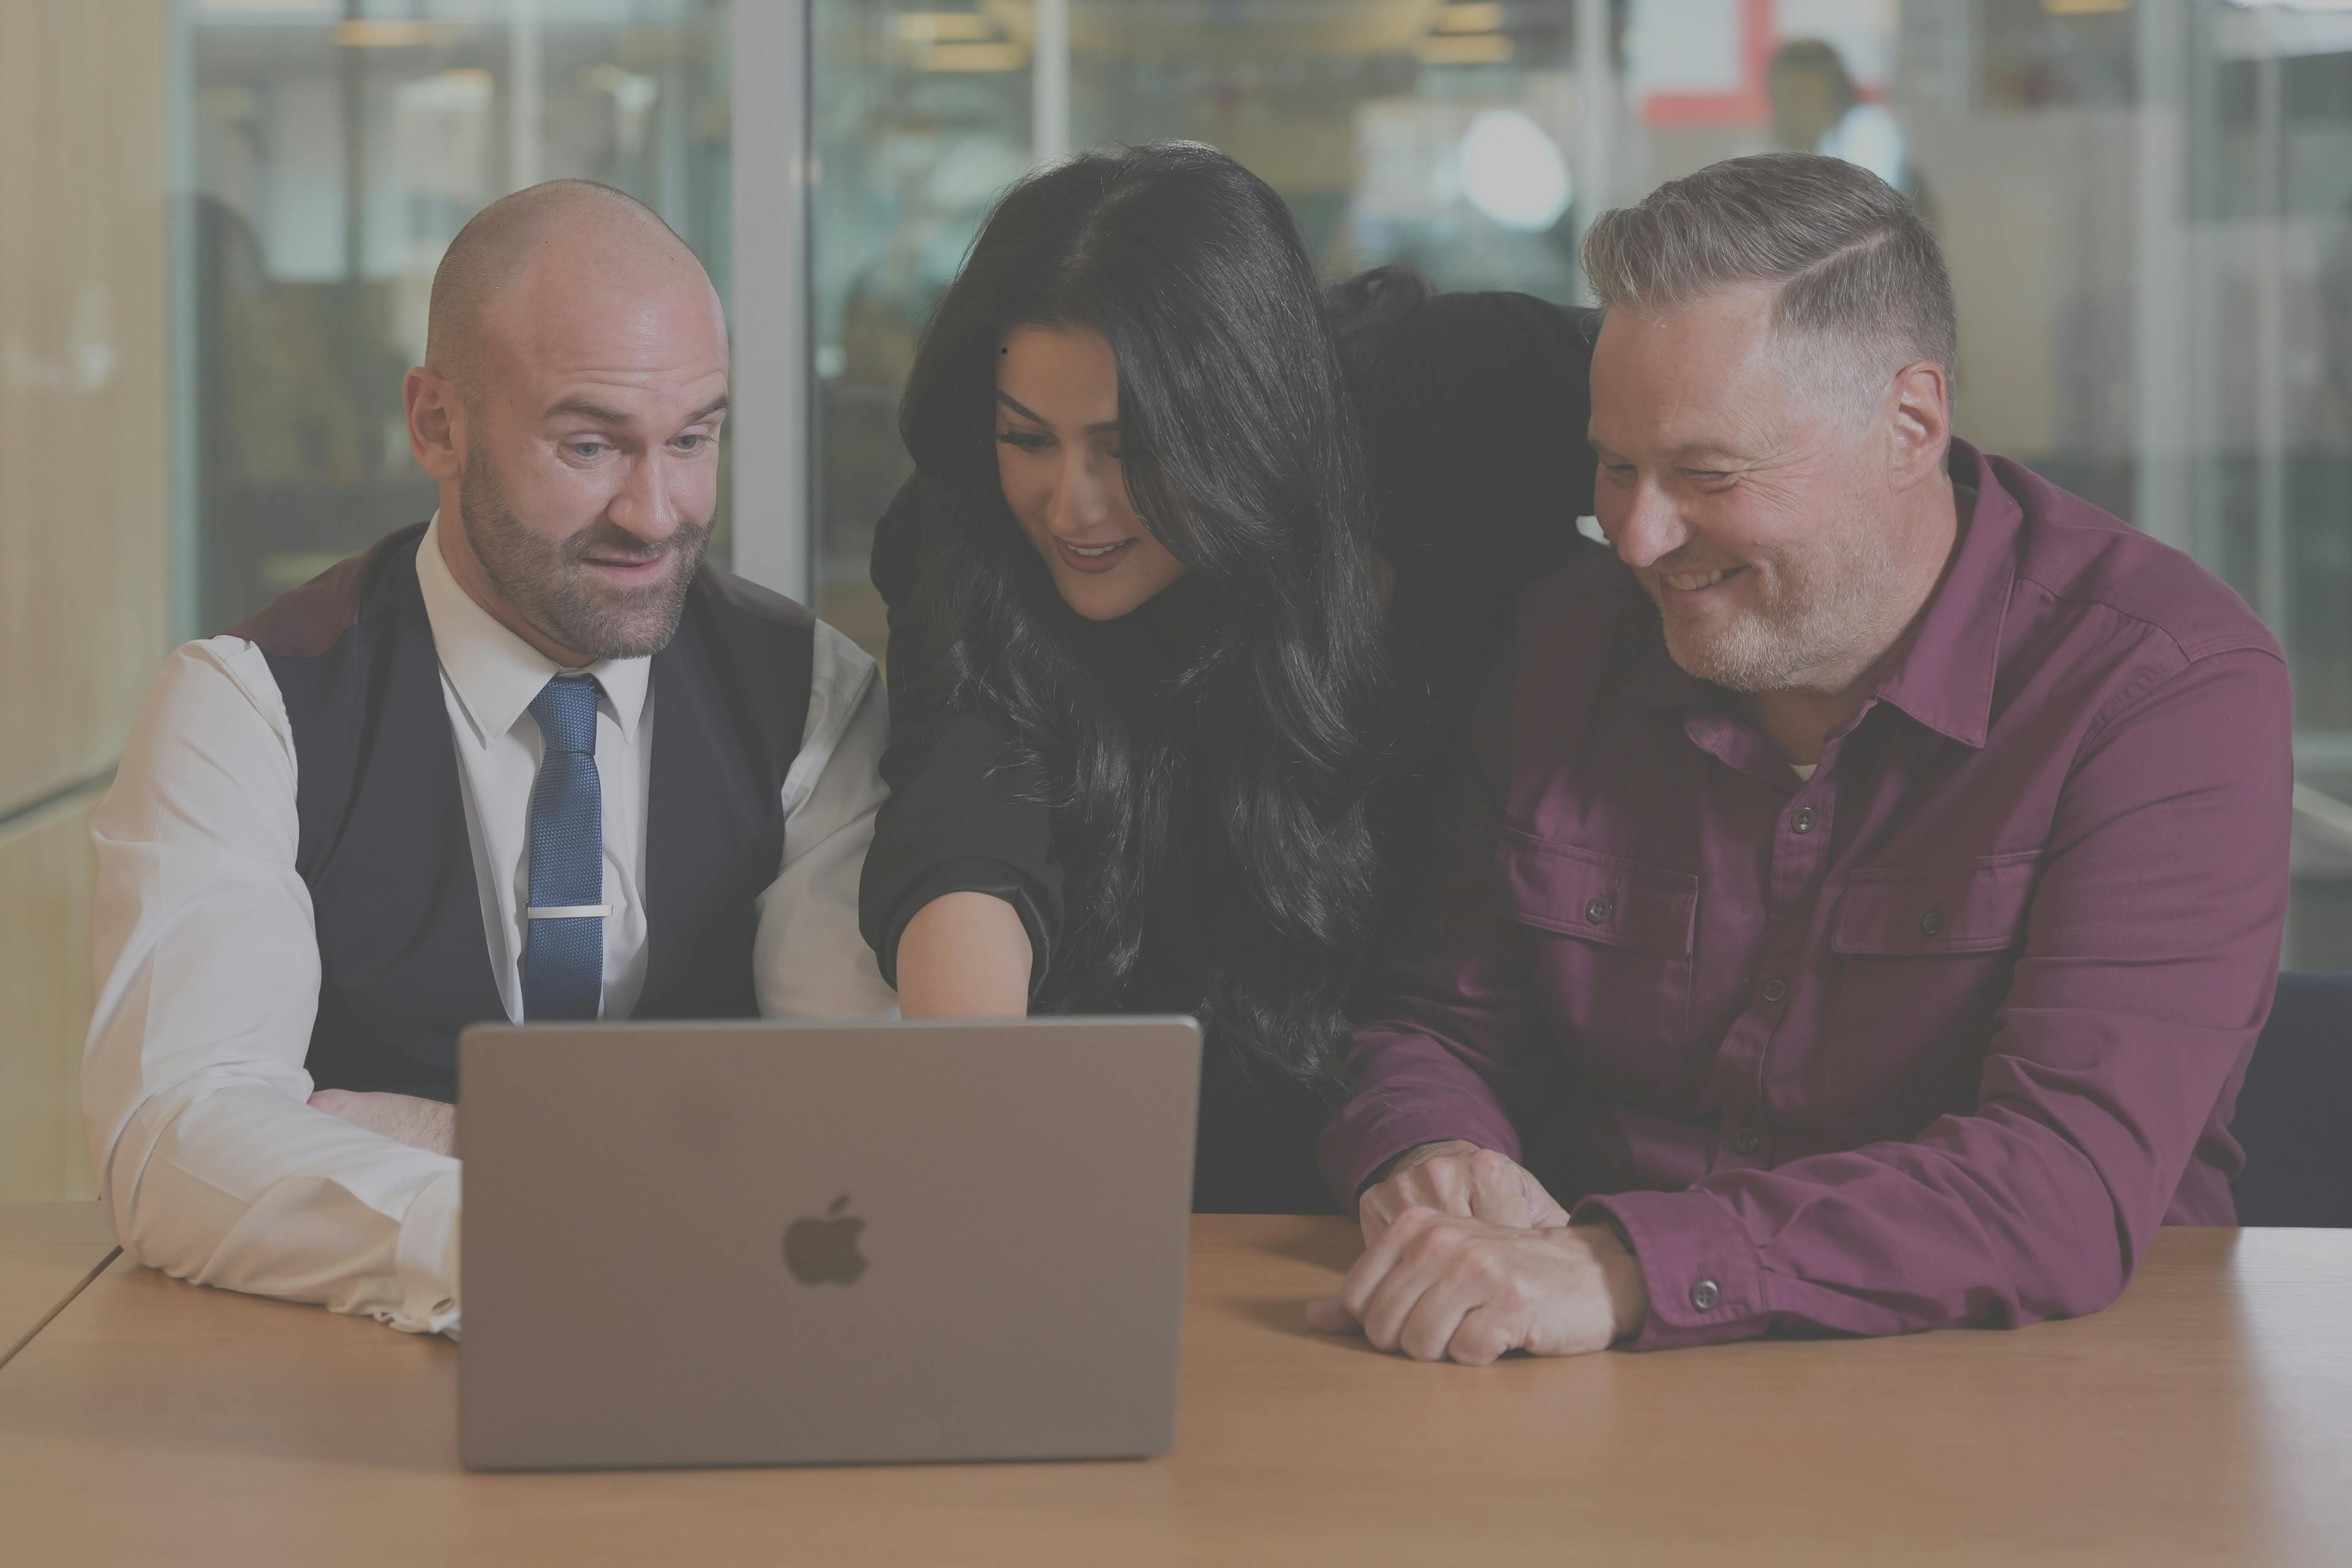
767 1244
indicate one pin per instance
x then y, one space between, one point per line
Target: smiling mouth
1698 582
1092 557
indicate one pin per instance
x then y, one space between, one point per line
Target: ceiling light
1477 50
997 57
392 35
1481 17
943 28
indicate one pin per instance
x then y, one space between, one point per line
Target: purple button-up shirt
1940 1037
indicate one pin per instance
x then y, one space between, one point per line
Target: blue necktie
564 957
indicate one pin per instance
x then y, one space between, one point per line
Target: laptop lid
783 1242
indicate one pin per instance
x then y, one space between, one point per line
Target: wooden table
47 1251
2205 1418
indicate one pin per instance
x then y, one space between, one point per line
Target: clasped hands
1466 1258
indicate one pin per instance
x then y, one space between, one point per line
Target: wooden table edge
27 1338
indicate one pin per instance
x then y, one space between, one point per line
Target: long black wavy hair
1241 763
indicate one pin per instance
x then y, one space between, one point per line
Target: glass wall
338 146
2148 208
1430 134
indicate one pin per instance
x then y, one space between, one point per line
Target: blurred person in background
1816 108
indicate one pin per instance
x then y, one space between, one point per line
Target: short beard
1826 619
546 583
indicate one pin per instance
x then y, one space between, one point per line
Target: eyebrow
1688 449
1009 401
603 416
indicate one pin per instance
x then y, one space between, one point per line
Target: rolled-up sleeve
194 1092
806 959
2151 953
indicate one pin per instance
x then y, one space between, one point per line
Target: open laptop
773 1243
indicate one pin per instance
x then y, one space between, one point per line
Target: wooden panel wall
45 886
84 451
84 515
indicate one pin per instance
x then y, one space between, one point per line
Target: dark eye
1027 440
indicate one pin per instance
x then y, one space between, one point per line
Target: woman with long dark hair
1155 732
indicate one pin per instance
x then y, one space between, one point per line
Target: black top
1474 408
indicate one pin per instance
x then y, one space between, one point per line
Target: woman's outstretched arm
964 955
961 896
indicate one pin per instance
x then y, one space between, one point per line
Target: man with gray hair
1870 882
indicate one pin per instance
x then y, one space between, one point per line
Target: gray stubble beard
1773 651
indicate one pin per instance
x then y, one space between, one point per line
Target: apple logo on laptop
822 1250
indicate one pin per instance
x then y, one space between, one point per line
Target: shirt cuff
1705 1279
428 1258
970 875
1372 1130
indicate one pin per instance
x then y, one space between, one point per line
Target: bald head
570 407
543 250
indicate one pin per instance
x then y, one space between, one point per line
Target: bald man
534 759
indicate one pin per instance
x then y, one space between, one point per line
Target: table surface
2207 1417
47 1251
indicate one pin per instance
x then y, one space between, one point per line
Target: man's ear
435 421
1922 425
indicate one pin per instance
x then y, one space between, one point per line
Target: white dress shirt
194 1092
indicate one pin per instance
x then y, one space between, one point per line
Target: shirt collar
497 674
1947 676
1944 678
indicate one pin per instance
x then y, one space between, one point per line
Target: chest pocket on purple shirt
1892 912
1926 957
1619 985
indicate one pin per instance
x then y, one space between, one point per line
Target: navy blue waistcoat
403 961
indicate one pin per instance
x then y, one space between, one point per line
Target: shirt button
1598 911
1705 1295
1932 923
1803 821
1745 1141
1775 989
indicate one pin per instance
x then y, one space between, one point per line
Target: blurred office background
219 221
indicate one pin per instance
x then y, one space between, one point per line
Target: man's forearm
427 1124
1410 1091
244 1187
193 1078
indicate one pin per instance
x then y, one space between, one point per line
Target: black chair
2295 1113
